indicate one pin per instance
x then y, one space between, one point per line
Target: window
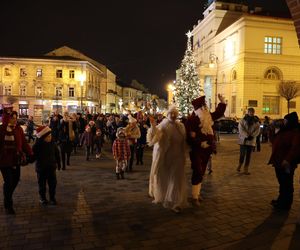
252 103
273 45
39 73
7 72
271 105
7 90
59 73
71 92
233 76
38 91
58 91
233 104
71 74
23 72
292 105
22 90
272 74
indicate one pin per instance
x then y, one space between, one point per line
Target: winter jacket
87 139
10 149
248 131
121 149
46 154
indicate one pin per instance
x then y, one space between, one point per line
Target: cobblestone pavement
96 211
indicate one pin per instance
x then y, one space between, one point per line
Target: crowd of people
128 135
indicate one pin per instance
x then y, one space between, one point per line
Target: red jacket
286 146
8 157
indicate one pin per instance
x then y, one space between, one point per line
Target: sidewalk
95 211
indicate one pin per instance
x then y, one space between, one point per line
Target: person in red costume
13 145
200 137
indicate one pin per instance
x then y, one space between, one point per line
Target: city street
96 211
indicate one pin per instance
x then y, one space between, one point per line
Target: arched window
273 74
233 75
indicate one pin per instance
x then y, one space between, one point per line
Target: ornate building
244 54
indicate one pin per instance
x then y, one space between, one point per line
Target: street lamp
81 79
171 92
214 62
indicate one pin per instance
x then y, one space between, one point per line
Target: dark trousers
132 151
98 148
11 177
65 150
139 154
199 162
245 152
30 137
87 152
286 185
44 176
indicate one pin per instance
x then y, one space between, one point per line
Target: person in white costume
167 182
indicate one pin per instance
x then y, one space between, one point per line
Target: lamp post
81 79
214 61
171 91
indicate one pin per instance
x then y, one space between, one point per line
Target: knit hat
43 131
292 119
131 119
199 102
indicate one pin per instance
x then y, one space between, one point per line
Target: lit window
71 74
7 90
273 45
233 77
39 73
38 91
58 91
71 92
22 90
7 72
59 73
271 105
23 72
272 74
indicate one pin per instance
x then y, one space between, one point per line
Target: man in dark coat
13 146
285 157
200 137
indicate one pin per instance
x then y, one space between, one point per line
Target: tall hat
43 131
199 102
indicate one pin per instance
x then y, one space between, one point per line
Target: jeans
245 152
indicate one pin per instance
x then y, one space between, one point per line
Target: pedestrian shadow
295 241
264 234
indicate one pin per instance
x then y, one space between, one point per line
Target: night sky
143 40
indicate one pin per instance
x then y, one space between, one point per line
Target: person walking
121 152
47 160
142 141
249 129
133 133
13 146
167 181
200 137
87 140
285 157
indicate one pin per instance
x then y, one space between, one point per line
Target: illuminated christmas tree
188 85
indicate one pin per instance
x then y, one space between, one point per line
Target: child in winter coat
121 152
87 140
47 158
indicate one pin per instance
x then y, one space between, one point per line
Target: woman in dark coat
285 157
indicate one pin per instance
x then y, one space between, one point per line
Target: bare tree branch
289 89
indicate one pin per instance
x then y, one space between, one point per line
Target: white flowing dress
167 182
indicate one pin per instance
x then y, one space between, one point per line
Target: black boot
122 174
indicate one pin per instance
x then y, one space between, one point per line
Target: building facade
43 85
244 55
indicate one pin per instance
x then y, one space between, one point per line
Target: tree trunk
288 103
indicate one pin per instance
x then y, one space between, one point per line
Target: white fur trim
43 132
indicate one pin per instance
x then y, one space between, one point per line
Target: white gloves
204 144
